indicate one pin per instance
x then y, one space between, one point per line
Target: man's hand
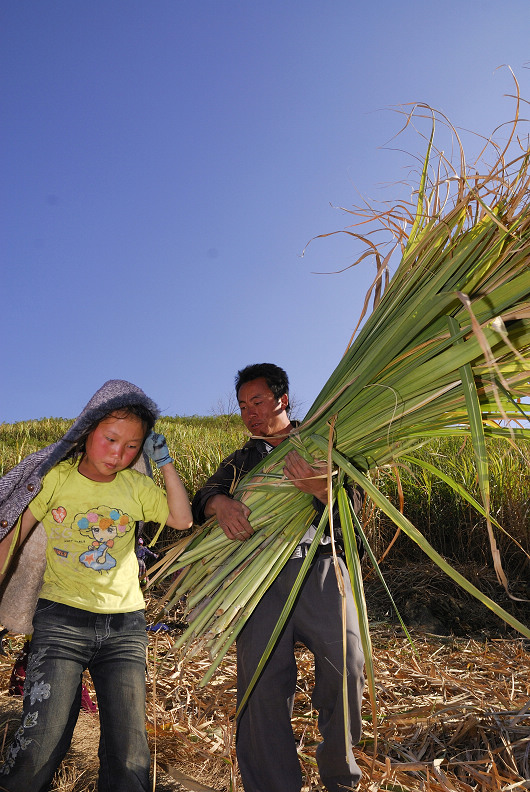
305 477
232 516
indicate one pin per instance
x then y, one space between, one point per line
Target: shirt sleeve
40 505
222 482
154 502
226 477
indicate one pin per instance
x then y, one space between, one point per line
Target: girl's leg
118 673
52 694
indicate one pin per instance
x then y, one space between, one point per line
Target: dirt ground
453 710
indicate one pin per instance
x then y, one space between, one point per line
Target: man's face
263 414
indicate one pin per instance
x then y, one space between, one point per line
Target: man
265 744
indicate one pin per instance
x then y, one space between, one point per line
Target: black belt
302 550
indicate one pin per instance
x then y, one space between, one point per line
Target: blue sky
164 164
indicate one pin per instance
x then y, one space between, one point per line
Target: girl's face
112 446
104 534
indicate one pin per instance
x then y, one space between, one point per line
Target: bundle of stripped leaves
444 352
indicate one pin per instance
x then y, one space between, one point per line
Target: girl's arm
180 517
28 522
177 499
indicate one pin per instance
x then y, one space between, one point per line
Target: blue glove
156 449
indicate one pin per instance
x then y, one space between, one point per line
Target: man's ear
284 401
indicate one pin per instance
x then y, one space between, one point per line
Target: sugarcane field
427 413
452 709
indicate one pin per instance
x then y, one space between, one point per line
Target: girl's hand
155 447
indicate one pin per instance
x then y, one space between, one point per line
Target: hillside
452 710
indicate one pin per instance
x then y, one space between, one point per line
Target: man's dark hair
275 377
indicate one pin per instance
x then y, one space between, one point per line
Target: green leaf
288 607
384 504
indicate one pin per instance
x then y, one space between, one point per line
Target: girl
90 611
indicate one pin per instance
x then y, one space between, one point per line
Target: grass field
198 444
453 716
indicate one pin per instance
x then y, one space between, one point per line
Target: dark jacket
237 465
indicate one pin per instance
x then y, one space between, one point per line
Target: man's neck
275 440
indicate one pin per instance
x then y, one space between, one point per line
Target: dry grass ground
453 716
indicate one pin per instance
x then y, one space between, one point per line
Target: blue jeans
65 642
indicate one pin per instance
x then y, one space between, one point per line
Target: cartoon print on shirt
105 525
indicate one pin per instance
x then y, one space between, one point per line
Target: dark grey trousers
266 748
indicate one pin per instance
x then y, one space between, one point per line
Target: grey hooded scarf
19 486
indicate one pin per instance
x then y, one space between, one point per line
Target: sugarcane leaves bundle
446 351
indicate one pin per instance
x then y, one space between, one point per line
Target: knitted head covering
20 485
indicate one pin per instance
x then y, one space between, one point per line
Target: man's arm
232 516
215 499
311 479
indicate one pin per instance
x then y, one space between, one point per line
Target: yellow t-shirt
90 557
